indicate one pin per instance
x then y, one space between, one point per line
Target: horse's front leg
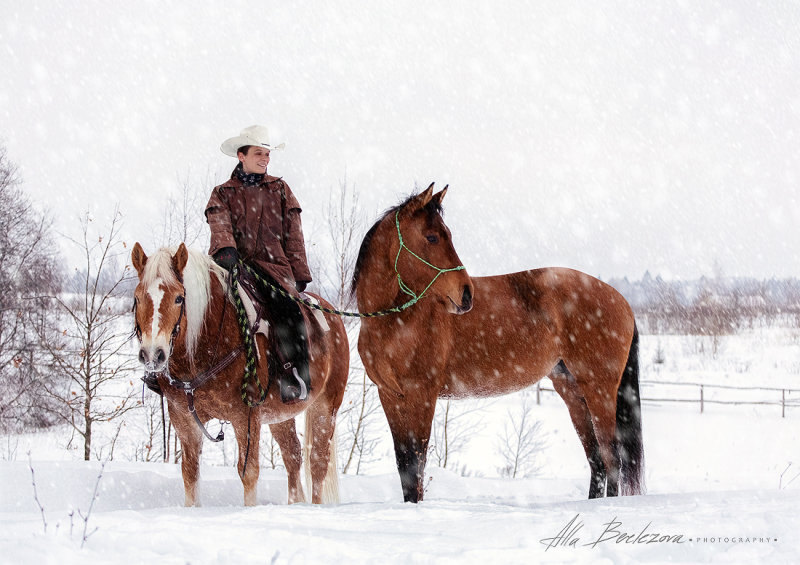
248 434
410 419
191 439
285 433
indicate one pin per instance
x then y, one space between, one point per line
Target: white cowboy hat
253 135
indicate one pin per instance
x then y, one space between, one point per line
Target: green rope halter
403 286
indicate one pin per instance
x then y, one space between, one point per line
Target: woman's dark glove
300 286
226 257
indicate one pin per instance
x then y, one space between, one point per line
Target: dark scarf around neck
248 179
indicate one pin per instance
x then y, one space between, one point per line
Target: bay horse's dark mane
433 209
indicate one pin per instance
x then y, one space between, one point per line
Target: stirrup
292 387
301 382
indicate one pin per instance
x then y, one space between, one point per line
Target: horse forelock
432 209
196 283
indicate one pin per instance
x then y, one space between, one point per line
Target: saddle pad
318 315
258 325
261 325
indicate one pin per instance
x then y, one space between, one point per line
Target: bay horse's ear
420 200
138 258
179 259
439 196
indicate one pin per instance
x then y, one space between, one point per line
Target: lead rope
394 310
247 449
249 347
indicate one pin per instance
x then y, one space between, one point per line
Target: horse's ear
179 259
439 196
138 258
420 200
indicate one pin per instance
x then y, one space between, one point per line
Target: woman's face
255 161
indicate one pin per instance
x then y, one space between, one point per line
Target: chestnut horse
487 336
187 327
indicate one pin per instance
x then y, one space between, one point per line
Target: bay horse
187 327
487 336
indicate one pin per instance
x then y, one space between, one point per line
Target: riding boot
289 339
294 378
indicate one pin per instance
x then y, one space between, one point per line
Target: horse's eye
179 300
432 239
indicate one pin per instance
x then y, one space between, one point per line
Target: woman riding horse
256 217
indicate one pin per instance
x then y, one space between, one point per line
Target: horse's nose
466 299
158 358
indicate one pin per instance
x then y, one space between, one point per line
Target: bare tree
346 227
713 315
184 219
151 442
360 412
451 432
520 442
30 269
360 416
271 452
95 330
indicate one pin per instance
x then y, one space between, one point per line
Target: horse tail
330 485
629 424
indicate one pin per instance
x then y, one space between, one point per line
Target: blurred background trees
29 269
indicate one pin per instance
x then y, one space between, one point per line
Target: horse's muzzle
466 302
154 361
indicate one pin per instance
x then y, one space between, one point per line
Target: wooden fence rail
780 396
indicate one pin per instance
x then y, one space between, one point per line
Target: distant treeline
711 306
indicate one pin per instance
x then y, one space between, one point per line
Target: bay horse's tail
629 425
330 485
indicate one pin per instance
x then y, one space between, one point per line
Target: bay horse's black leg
411 458
597 474
411 431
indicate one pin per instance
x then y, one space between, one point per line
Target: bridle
189 387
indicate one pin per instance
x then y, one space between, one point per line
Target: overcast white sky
607 136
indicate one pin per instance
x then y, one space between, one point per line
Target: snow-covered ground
721 489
